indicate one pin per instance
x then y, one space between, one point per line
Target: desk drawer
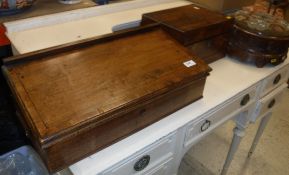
274 80
268 102
214 119
153 160
162 169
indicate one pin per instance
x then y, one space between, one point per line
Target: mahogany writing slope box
205 32
79 98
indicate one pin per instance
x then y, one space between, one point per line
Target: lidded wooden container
259 38
203 31
223 5
79 98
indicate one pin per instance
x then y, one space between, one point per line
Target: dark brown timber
79 98
203 31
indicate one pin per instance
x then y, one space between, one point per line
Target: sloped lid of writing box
189 24
68 90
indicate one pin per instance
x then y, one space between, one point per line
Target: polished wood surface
211 49
190 24
204 32
257 58
79 98
260 50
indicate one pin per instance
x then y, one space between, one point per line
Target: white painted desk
229 81
167 140
51 30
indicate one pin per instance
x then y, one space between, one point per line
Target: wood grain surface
83 97
190 24
204 32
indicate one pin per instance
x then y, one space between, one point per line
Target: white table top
43 32
228 78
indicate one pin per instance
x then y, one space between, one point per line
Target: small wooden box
80 98
205 32
224 5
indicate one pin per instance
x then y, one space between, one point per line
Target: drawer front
214 119
268 102
274 80
162 169
145 162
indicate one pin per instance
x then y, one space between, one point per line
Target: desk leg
259 133
239 132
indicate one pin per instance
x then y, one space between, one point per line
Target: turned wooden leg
259 133
239 133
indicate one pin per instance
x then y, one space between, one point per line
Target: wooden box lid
79 98
189 24
63 89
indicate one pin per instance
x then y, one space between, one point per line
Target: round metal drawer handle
205 125
277 79
245 100
271 104
142 163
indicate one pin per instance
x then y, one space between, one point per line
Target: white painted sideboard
233 91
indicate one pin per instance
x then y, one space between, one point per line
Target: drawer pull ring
245 100
142 163
277 79
272 104
205 125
